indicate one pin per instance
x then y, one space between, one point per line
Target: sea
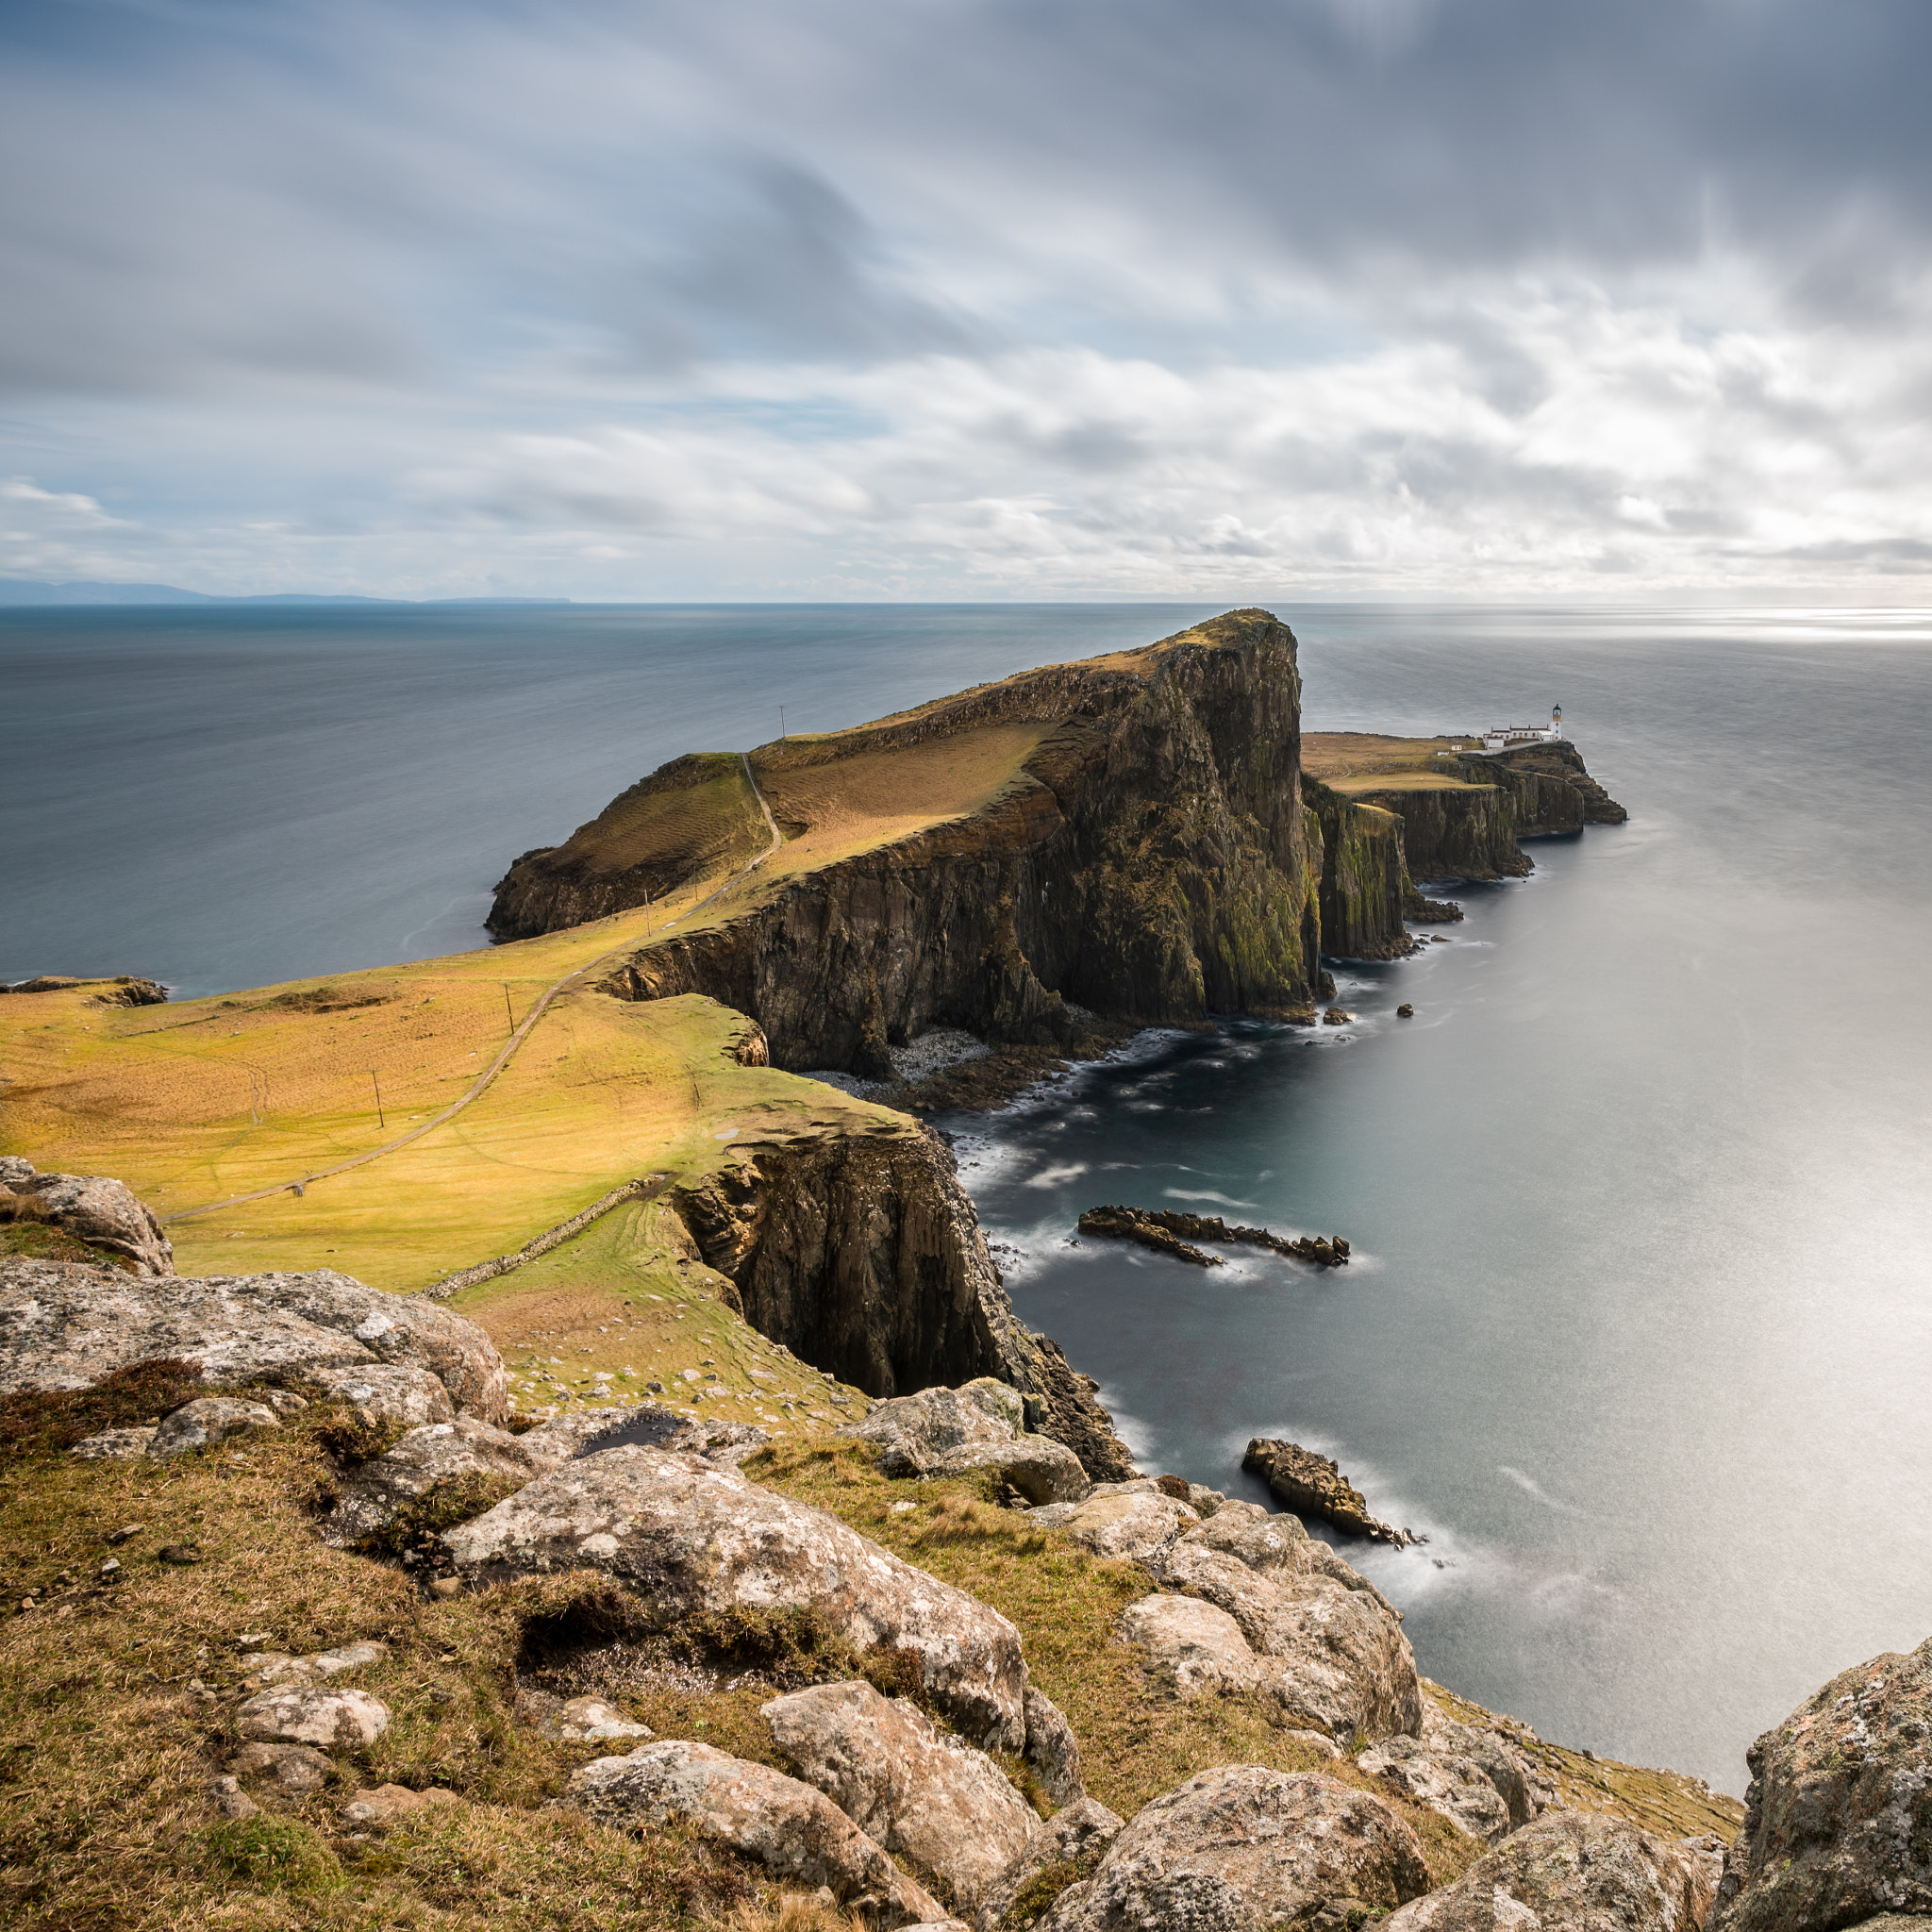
1637 1330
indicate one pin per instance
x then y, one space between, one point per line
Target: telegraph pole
380 1122
506 1014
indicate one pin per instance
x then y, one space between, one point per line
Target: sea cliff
1147 858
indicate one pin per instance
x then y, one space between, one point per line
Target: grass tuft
45 1422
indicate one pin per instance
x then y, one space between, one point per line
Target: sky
974 299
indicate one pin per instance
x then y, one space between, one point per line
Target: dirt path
484 1080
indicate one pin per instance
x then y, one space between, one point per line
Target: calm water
1639 1332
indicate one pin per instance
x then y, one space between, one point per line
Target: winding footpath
484 1079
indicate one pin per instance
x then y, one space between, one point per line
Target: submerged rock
1576 1871
1242 1848
684 1538
790 1829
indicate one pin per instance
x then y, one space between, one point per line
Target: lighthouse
1513 736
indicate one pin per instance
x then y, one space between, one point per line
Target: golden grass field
1356 761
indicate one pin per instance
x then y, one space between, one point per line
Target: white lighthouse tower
1508 737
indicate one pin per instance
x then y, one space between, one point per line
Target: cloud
973 296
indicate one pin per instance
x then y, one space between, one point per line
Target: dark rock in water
1337 1016
1405 1011
1421 912
1170 1232
1130 1225
1838 1824
1310 1485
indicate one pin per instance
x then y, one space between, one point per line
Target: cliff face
863 1255
1364 886
1470 831
1149 863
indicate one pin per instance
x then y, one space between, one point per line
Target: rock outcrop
944 1807
1245 1849
790 1829
106 1214
1470 830
1312 1485
64 1325
1456 1787
863 1255
1574 1870
376 1492
1837 1820
979 1425
685 1538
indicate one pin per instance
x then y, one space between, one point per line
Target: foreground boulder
204 1423
331 1719
1242 1848
104 1213
1333 1659
64 1325
981 1424
383 1394
1577 1871
1456 1787
638 1425
790 1829
942 1805
685 1537
1135 1519
377 1491
1838 1825
1074 1831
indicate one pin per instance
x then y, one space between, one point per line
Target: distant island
28 593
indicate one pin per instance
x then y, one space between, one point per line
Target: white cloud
1303 297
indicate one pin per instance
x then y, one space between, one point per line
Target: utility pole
380 1122
781 723
506 1014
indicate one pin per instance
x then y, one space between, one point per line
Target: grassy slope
106 1740
1356 761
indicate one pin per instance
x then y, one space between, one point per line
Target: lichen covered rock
1576 1871
1243 1848
684 1538
64 1325
790 1829
982 1424
944 1806
1837 1820
104 1213
375 1492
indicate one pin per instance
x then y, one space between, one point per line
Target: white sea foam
1055 1176
1208 1195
